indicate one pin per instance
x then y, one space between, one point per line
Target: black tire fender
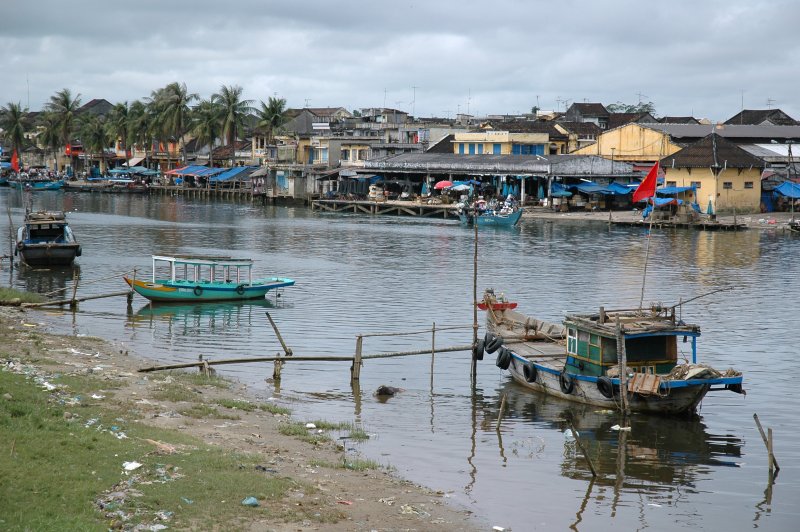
198 290
605 386
566 382
503 358
530 372
492 342
477 351
240 289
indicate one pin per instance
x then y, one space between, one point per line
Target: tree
234 112
641 107
65 107
271 116
140 127
95 137
49 134
207 126
118 124
13 121
174 111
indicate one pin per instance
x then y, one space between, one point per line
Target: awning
134 161
237 171
788 189
264 170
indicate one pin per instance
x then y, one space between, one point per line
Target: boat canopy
201 269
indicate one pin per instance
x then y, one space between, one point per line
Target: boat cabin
42 228
202 269
650 337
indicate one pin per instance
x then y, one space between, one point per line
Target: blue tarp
614 189
671 191
188 170
788 190
231 173
208 172
557 190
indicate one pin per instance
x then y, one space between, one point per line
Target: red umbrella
442 184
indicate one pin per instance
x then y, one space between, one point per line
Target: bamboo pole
74 303
623 368
474 367
318 358
582 449
433 345
76 300
276 373
500 412
773 461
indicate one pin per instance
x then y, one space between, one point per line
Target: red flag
15 161
647 188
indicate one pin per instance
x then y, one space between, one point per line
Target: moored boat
505 214
596 358
198 279
35 185
45 238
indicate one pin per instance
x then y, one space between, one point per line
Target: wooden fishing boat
491 218
198 279
36 185
45 239
581 360
794 226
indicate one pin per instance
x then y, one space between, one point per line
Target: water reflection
53 282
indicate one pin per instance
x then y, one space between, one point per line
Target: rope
48 294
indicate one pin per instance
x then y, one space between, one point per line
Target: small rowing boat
45 239
198 279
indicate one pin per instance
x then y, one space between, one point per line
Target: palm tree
49 135
95 137
207 126
13 122
174 111
271 116
155 106
234 112
140 127
65 107
119 124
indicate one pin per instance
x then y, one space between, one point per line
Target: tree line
167 115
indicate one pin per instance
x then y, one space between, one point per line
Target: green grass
175 393
235 404
54 469
274 409
201 411
353 464
297 429
10 294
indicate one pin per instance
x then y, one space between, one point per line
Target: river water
358 274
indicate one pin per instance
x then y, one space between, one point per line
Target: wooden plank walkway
386 208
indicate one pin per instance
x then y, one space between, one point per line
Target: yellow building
724 175
631 143
492 142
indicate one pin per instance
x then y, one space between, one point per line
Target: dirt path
365 500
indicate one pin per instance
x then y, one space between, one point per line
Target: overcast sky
701 57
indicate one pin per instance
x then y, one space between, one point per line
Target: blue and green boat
198 279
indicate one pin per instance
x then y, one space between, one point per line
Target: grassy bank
65 449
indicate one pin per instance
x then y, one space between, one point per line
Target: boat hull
492 220
186 291
52 254
670 401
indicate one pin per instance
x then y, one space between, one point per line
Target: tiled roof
620 119
523 126
581 128
712 151
760 116
590 109
678 120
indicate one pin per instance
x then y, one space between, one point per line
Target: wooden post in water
474 370
623 368
768 443
355 369
276 373
73 304
500 412
433 345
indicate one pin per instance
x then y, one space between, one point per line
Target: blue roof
614 189
232 172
